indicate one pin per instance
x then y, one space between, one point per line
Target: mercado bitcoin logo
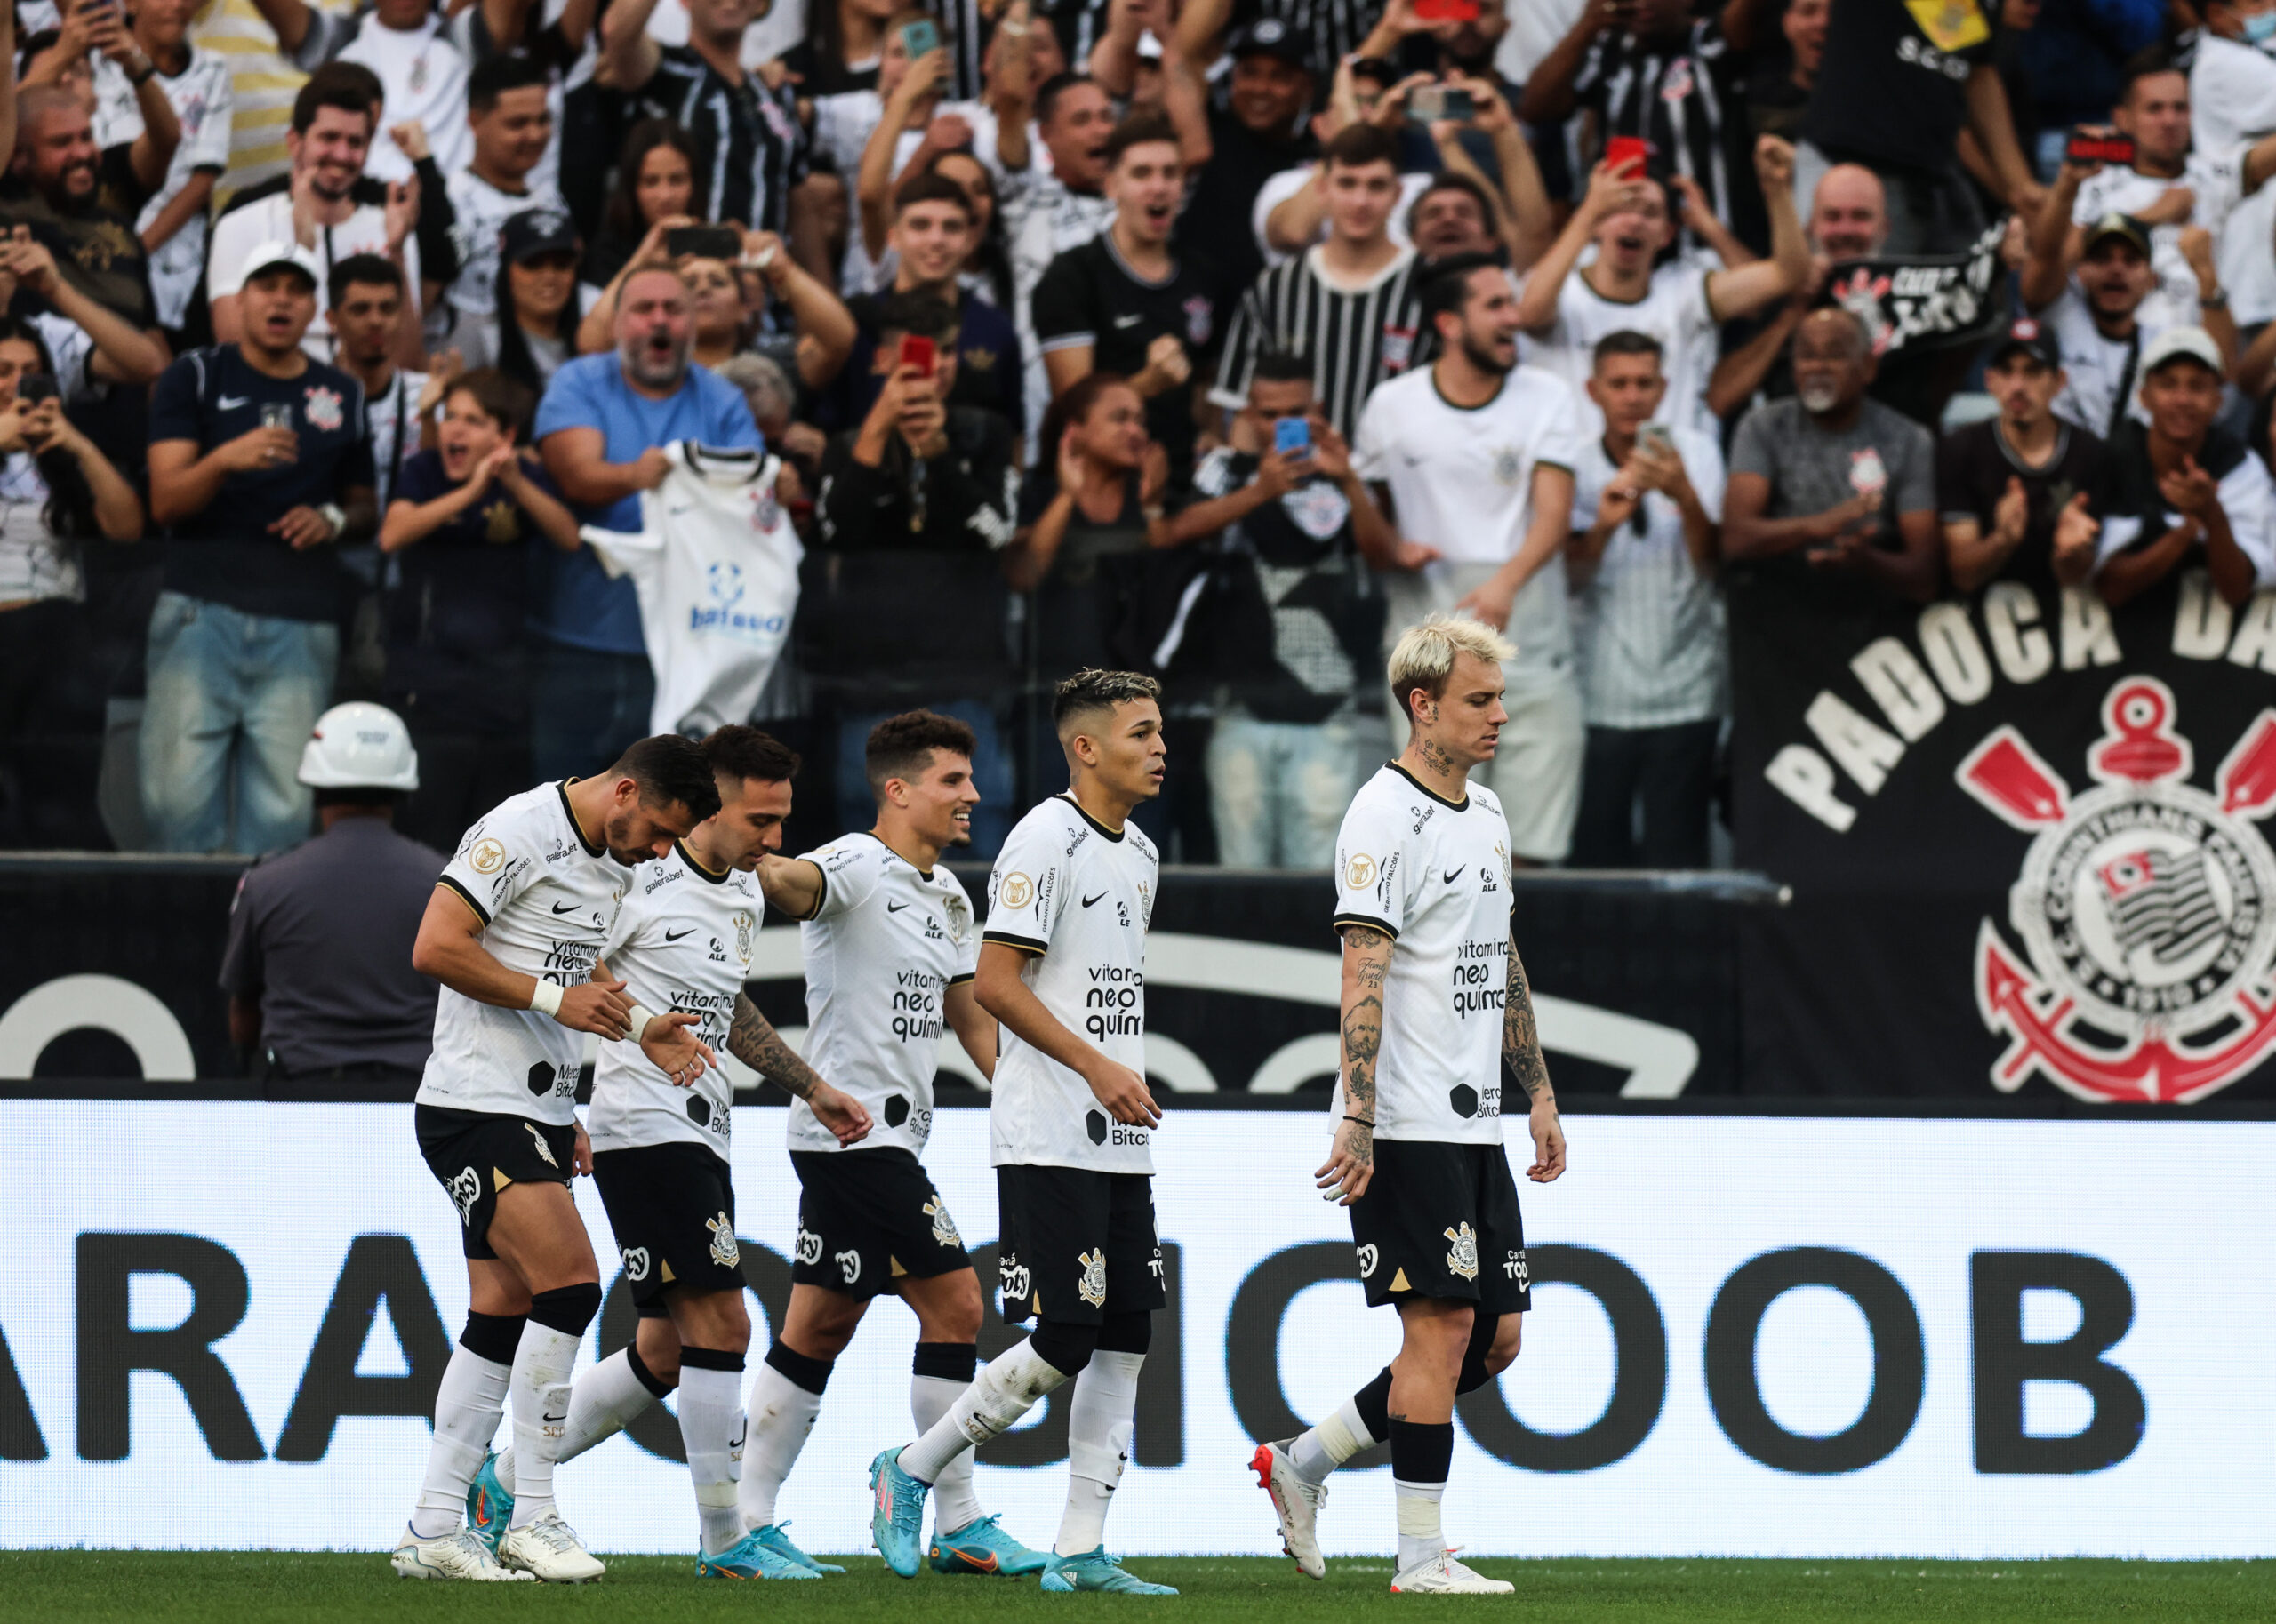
2147 908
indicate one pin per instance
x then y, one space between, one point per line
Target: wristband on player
1365 1122
547 999
640 1016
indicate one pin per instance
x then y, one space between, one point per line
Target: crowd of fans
1221 339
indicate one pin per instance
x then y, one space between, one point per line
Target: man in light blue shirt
602 429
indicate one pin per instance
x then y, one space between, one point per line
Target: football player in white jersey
1062 969
682 941
1435 1003
514 932
891 949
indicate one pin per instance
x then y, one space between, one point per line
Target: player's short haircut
1047 99
1091 690
2146 63
918 315
1282 366
1359 144
1627 341
670 770
739 751
1455 181
1139 130
1424 657
932 188
1448 288
495 75
350 86
371 270
506 402
902 745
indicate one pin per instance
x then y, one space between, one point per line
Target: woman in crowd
843 40
655 185
534 328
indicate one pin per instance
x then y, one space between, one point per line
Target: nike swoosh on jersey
1451 876
564 907
228 404
895 907
676 935
1089 900
1128 321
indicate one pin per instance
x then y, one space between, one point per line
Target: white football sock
606 1400
1005 1389
781 1416
1318 1450
712 1426
954 1503
1420 1538
541 1367
1100 1421
467 1407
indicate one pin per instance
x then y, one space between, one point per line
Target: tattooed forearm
1366 959
1520 1041
754 1041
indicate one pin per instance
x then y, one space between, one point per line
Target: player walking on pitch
683 940
1431 988
1062 968
890 948
514 932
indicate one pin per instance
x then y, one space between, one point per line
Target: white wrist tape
547 999
640 1017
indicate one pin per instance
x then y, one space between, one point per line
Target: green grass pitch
252 1587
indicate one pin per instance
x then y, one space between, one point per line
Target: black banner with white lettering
1924 303
2027 837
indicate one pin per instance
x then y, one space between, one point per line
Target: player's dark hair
1282 366
1448 288
932 188
623 218
1139 130
371 270
1455 181
495 75
1047 99
504 401
1075 407
1091 689
350 86
2146 63
918 315
670 770
902 745
1627 341
740 751
1379 71
1356 145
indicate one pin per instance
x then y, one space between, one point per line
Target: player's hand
1411 556
598 1007
1125 1094
2012 512
1491 603
650 467
1773 164
410 138
259 448
841 1113
580 1156
33 263
1548 1141
2076 531
669 1042
1350 1163
1167 366
303 527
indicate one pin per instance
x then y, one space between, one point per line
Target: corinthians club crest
2147 908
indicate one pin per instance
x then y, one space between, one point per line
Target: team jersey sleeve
2249 501
1027 889
1371 880
208 147
1703 465
1914 489
1064 315
969 949
174 412
1371 444
499 859
1561 441
847 880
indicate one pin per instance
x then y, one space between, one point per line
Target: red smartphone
1630 153
918 353
2114 150
1446 11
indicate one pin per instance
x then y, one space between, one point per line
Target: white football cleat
1296 1502
451 1555
547 1550
1442 1575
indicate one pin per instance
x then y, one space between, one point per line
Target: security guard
318 965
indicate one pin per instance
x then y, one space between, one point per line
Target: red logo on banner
2146 909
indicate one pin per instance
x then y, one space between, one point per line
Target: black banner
1924 303
2026 836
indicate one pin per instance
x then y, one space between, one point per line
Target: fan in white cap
360 745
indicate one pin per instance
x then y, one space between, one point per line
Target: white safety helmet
360 745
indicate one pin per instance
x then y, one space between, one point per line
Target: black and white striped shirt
1356 337
1674 93
749 146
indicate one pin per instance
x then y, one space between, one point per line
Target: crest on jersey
488 857
959 918
724 1251
1092 1286
465 1189
1508 466
1200 319
1016 891
944 1228
809 1247
2147 908
1359 872
743 924
544 1150
849 1264
1368 1257
636 1262
1462 1257
325 409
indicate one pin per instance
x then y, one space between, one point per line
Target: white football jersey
682 942
1434 874
883 948
547 898
1075 897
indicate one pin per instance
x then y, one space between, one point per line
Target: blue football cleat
751 1557
983 1547
489 1507
1096 1570
773 1536
897 1524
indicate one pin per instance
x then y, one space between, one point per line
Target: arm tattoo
1369 954
754 1041
1520 1041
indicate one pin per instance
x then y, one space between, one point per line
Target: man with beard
602 429
1473 455
52 185
332 119
2014 489
1831 483
2105 314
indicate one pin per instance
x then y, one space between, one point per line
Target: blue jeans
586 709
992 771
233 698
1277 790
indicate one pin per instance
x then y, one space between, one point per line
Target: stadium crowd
1222 339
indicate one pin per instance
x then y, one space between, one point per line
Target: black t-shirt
1090 296
1214 232
1973 467
226 553
97 247
1890 93
988 363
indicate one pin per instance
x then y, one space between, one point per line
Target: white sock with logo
606 1400
781 1414
1100 1421
1008 1387
712 1426
468 1404
541 1367
954 1503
